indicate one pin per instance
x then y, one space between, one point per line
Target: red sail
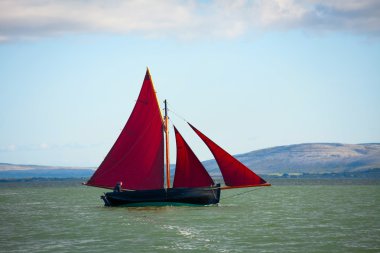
137 157
234 173
189 170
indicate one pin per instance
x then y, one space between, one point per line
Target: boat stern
106 201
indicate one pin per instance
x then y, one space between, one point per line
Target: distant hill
313 158
14 171
309 158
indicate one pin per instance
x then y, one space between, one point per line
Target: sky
248 74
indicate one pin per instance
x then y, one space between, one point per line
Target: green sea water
290 216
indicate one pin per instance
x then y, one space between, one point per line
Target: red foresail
137 157
234 173
189 170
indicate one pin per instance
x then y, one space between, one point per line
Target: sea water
291 216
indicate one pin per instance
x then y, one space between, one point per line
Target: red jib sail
137 157
189 170
235 174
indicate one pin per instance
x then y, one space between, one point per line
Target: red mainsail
189 170
235 174
137 157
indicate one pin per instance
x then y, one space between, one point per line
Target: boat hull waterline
169 196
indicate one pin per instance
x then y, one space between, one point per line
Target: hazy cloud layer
45 146
29 19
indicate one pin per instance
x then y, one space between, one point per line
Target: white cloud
44 146
23 19
11 147
280 13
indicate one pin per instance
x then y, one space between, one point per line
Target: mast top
166 108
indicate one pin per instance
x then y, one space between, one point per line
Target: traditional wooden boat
137 160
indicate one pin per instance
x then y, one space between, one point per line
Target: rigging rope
176 114
241 193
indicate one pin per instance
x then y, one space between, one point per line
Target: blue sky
249 74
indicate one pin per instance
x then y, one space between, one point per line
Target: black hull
171 196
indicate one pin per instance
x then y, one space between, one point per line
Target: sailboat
137 160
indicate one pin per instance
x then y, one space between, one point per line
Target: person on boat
117 187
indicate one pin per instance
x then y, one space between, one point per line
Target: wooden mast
167 146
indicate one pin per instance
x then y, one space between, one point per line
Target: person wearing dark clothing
117 187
